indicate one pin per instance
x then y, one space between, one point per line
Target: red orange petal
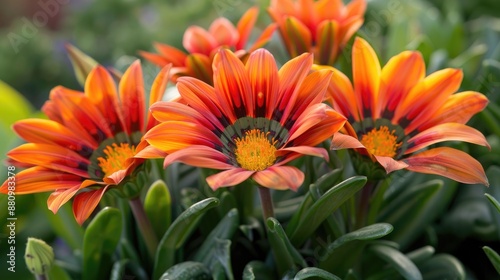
171 54
199 156
299 37
132 98
327 42
85 203
198 40
228 178
280 178
451 163
40 179
245 26
157 91
224 32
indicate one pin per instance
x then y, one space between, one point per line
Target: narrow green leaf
118 270
397 260
325 206
421 254
256 270
158 208
285 254
187 271
493 257
224 230
493 201
442 266
177 234
316 273
99 243
324 182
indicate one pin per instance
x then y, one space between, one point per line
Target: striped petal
157 91
298 37
450 163
292 153
327 42
264 81
156 59
199 156
172 136
61 196
51 157
458 108
200 67
224 32
319 132
40 179
198 40
341 92
390 164
264 37
232 84
401 73
280 178
342 141
174 111
427 97
245 26
101 90
85 203
366 76
228 178
171 54
132 98
446 132
50 132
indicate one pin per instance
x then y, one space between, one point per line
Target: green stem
145 227
266 202
364 204
376 202
41 277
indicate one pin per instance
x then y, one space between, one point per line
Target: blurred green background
449 33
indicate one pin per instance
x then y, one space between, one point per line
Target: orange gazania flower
322 27
202 45
251 123
88 141
397 111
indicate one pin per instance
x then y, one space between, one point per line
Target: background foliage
430 216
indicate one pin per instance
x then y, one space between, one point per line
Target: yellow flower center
381 142
115 158
254 151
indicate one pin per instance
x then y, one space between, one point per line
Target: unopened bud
39 256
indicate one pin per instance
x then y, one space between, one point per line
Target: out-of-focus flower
397 111
88 143
253 121
320 27
202 45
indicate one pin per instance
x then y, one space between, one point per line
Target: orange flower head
321 27
89 140
253 121
396 112
202 45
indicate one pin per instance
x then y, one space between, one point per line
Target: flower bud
39 256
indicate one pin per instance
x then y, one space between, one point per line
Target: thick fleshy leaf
178 233
85 203
158 207
280 177
316 273
186 271
366 76
324 207
132 105
228 178
448 162
493 257
99 243
442 266
256 270
446 132
397 260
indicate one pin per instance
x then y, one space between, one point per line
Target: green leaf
413 209
493 257
118 270
58 273
342 254
397 260
187 271
285 254
256 270
314 272
224 230
442 266
493 201
99 243
177 234
158 208
14 106
325 206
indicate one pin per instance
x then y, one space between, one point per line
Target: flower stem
266 202
41 277
145 227
364 204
